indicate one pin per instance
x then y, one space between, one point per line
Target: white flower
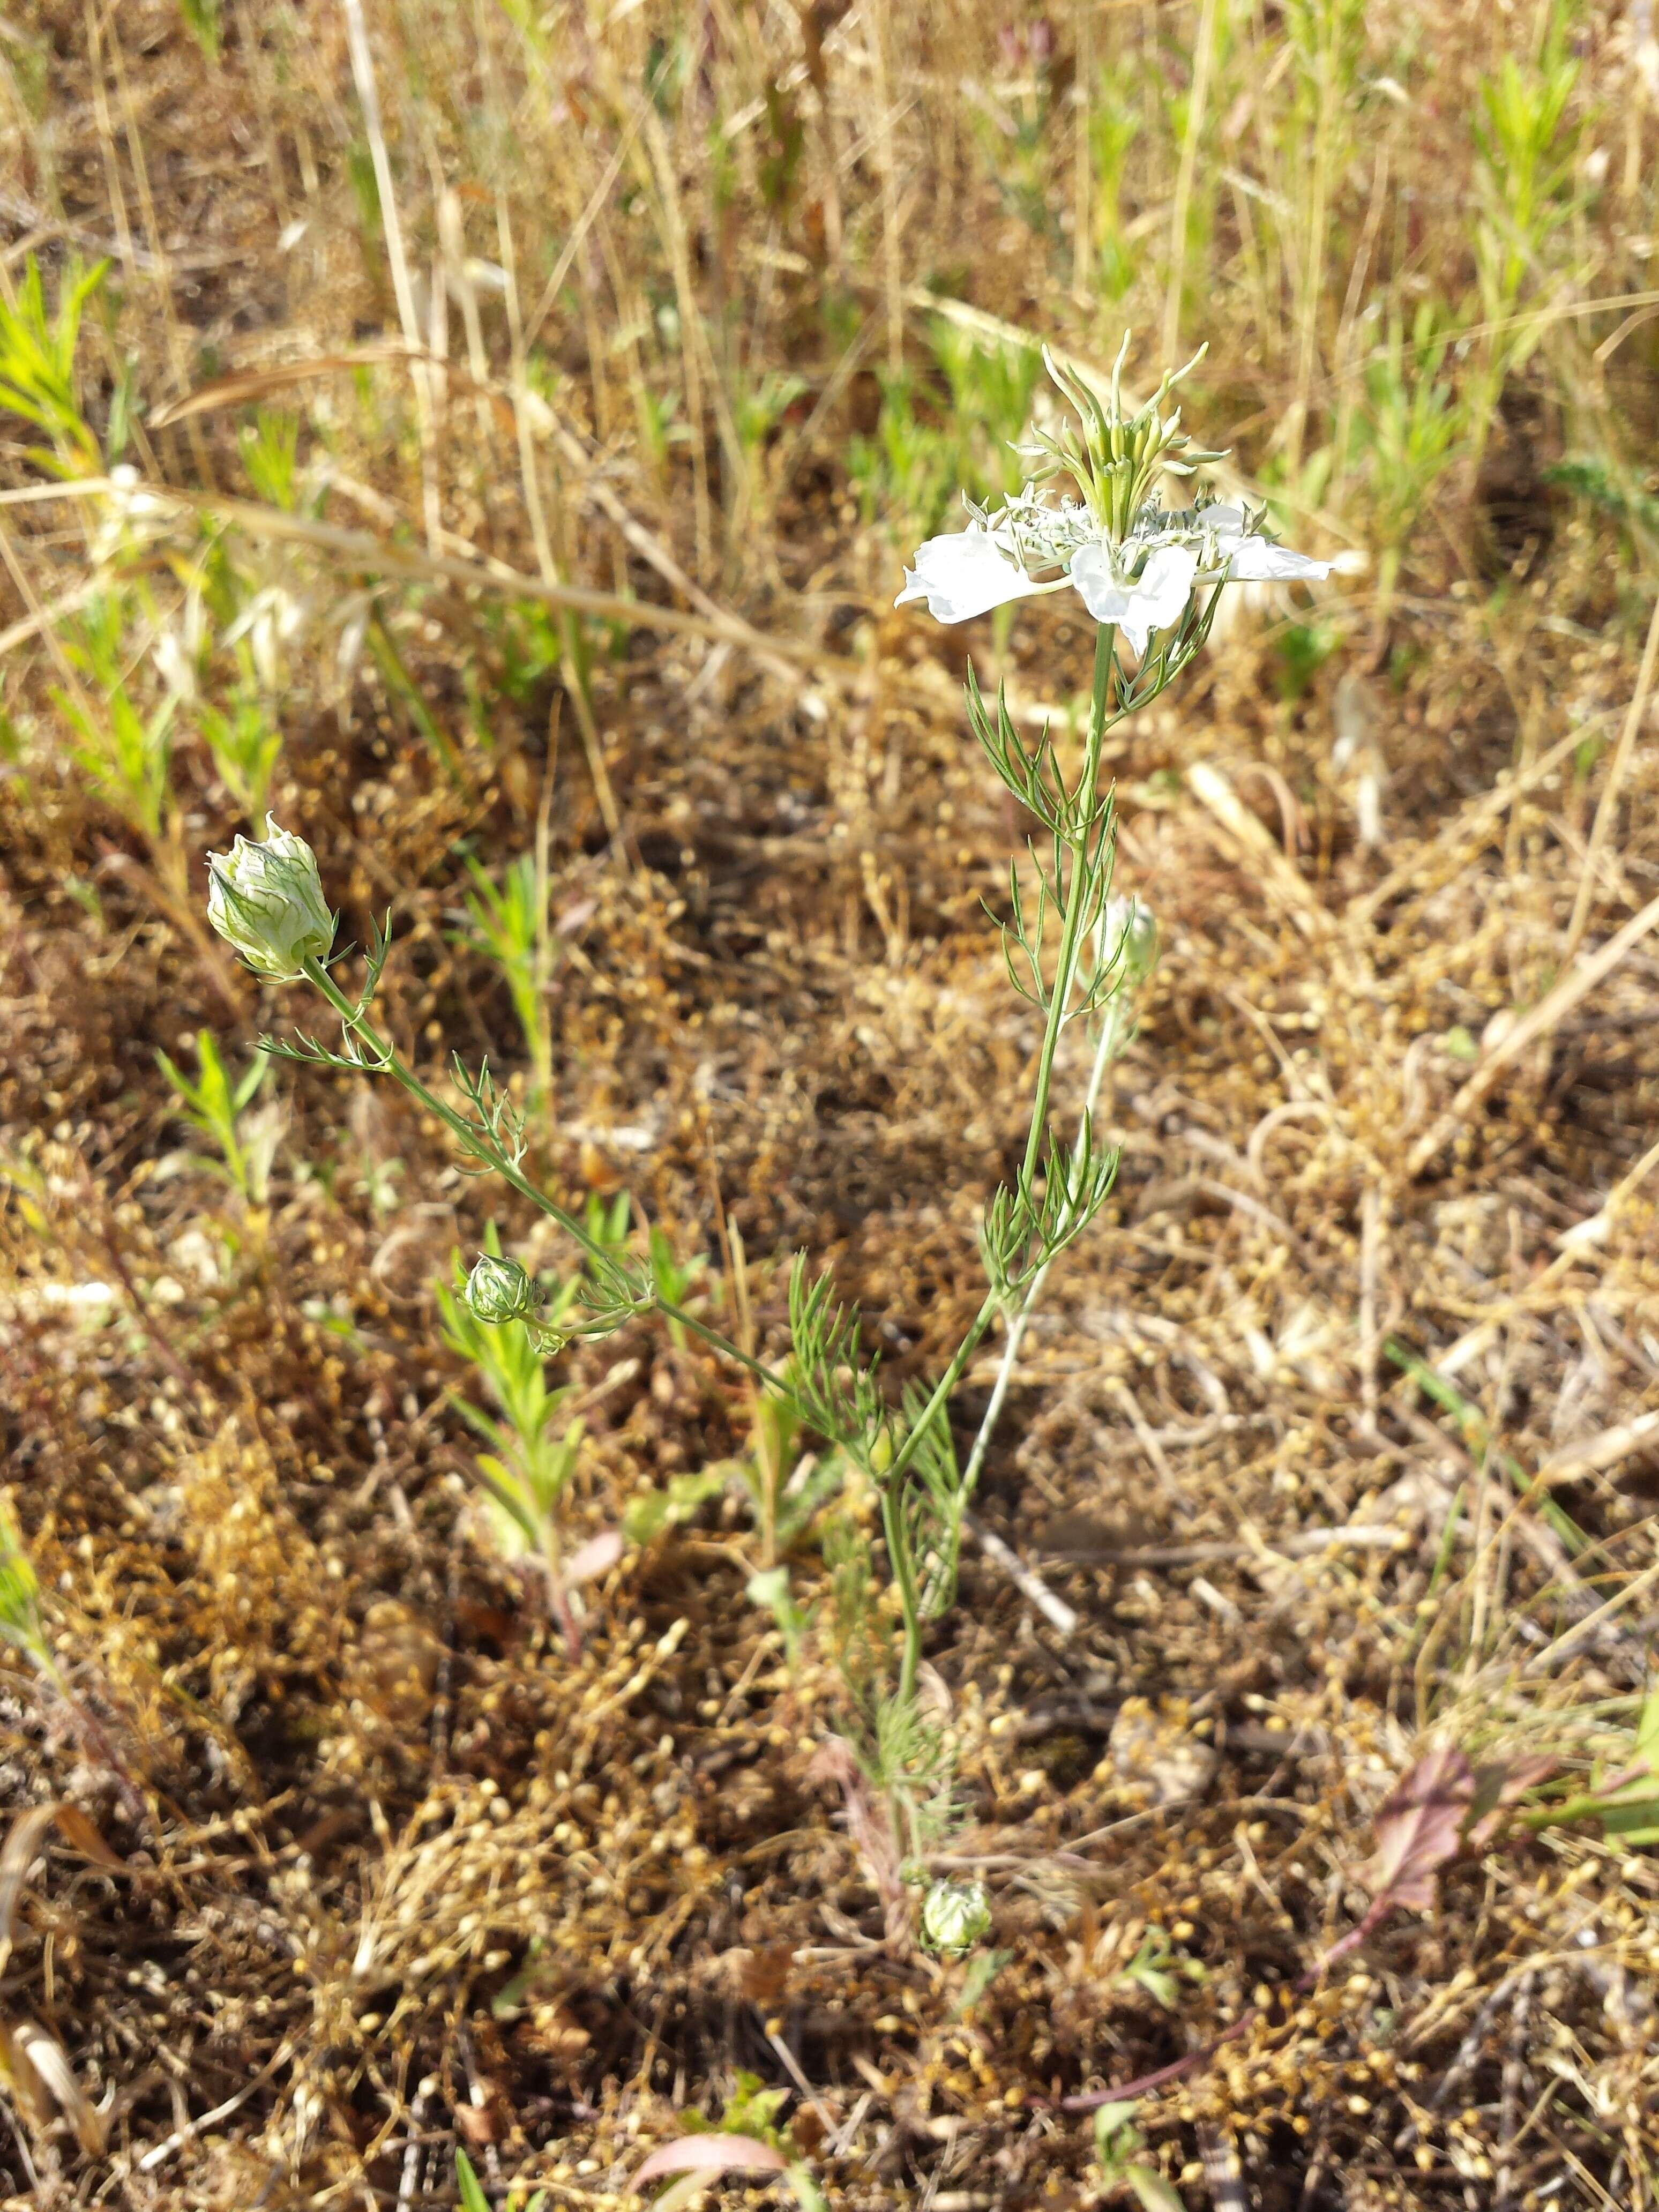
174 666
353 613
1156 600
1142 585
964 574
1258 560
266 899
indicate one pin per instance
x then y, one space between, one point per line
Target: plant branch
384 1058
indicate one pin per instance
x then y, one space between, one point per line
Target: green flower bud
498 1290
954 1916
266 900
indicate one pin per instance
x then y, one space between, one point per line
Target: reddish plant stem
1178 2068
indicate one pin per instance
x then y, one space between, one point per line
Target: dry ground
388 1869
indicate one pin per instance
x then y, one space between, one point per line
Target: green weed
37 367
244 1142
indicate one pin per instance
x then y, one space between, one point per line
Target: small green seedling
749 2138
1622 1799
782 1490
1629 1809
218 1109
1527 148
20 1625
124 753
205 21
785 1488
922 455
676 1282
472 2199
606 1220
1159 1969
245 743
37 367
20 1604
1411 429
1118 2144
534 1453
535 1438
609 1223
269 447
510 923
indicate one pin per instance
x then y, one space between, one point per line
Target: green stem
904 1581
1072 937
479 1146
902 1567
1111 1039
898 1549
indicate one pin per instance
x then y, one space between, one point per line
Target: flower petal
1255 561
964 574
1165 587
1107 600
1154 601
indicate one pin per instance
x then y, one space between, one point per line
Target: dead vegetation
1337 1442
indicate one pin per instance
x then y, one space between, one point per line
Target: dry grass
393 1871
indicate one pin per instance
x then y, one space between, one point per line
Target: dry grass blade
1536 1023
44 2084
1607 806
362 71
361 549
22 1847
159 2153
238 388
243 388
78 1833
24 1840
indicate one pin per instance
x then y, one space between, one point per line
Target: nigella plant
1090 520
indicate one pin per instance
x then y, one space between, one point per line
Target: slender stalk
1111 1040
904 1581
892 1523
1607 810
380 1052
1202 59
385 1057
1071 941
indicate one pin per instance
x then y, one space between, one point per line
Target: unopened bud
1131 936
955 1915
266 899
498 1290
